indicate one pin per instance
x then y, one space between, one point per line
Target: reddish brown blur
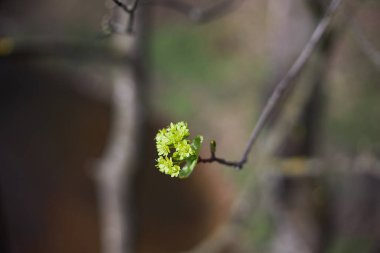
51 136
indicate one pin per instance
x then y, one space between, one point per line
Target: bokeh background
312 179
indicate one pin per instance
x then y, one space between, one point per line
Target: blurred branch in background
194 13
280 92
198 14
19 47
366 46
116 169
118 166
131 10
309 226
250 200
13 48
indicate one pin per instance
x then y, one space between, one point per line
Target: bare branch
213 158
131 10
125 7
280 90
291 75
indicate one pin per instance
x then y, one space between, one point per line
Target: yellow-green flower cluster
173 148
165 165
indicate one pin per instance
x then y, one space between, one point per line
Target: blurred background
80 108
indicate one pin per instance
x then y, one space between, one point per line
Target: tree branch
280 90
125 7
194 13
131 10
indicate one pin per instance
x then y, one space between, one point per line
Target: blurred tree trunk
300 215
118 167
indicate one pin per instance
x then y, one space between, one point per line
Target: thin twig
218 160
280 90
131 10
125 7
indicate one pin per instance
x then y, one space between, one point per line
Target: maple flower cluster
173 148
